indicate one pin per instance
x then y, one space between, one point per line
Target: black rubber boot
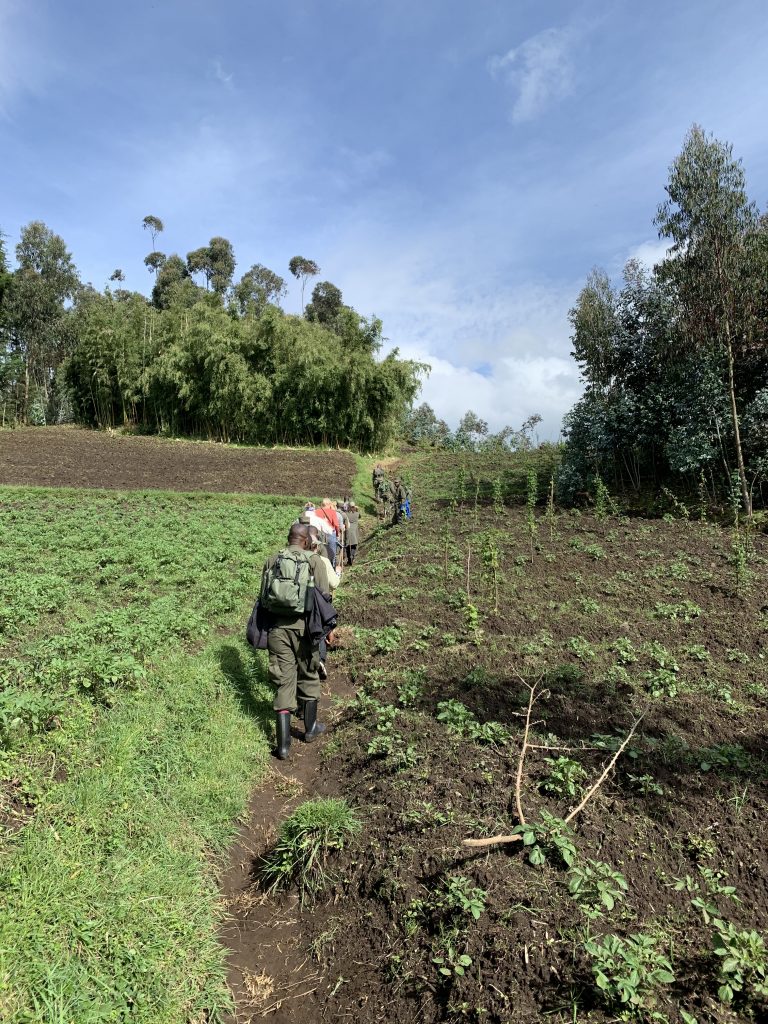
283 734
312 728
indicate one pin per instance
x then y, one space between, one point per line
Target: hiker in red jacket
328 512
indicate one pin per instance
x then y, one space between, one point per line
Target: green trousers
293 666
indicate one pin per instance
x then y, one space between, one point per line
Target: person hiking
399 496
287 581
353 531
377 478
328 513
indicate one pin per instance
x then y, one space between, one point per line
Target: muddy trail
271 969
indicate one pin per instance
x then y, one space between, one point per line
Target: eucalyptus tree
40 335
711 221
325 305
258 287
154 226
216 262
302 269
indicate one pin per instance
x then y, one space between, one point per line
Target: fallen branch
500 840
604 776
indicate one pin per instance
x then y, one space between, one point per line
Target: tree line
675 359
205 354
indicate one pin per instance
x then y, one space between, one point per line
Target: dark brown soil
271 970
687 801
71 457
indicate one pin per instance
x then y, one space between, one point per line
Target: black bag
257 630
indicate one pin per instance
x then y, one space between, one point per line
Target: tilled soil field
651 904
71 457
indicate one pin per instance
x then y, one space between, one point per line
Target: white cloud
650 252
226 78
539 72
516 388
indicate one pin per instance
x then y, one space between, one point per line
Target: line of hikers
294 616
392 496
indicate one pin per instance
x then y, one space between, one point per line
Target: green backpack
286 586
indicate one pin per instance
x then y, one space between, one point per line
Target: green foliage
743 963
564 777
461 898
131 758
726 758
596 887
304 842
451 962
460 721
686 611
548 839
628 972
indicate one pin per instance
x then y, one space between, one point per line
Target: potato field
490 625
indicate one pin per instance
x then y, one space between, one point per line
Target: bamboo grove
205 355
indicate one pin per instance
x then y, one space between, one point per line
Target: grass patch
135 770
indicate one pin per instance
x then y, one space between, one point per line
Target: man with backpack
287 583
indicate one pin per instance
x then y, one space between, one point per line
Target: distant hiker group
294 616
392 497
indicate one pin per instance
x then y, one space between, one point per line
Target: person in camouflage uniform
293 659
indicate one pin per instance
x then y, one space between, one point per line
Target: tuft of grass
304 842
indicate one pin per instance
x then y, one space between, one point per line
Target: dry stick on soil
498 840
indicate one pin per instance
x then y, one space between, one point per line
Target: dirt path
271 970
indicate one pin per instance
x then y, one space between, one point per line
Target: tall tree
216 262
326 304
710 221
46 279
154 261
154 226
302 269
258 287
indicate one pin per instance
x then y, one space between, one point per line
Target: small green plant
461 898
594 551
680 508
581 648
564 777
304 842
628 972
700 847
472 622
460 721
625 649
548 839
686 610
743 968
596 887
490 555
426 816
452 962
604 503
734 654
588 605
387 639
727 758
412 687
697 652
645 784
661 682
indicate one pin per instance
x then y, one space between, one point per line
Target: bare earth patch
71 457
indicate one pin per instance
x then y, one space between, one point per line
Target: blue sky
454 167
